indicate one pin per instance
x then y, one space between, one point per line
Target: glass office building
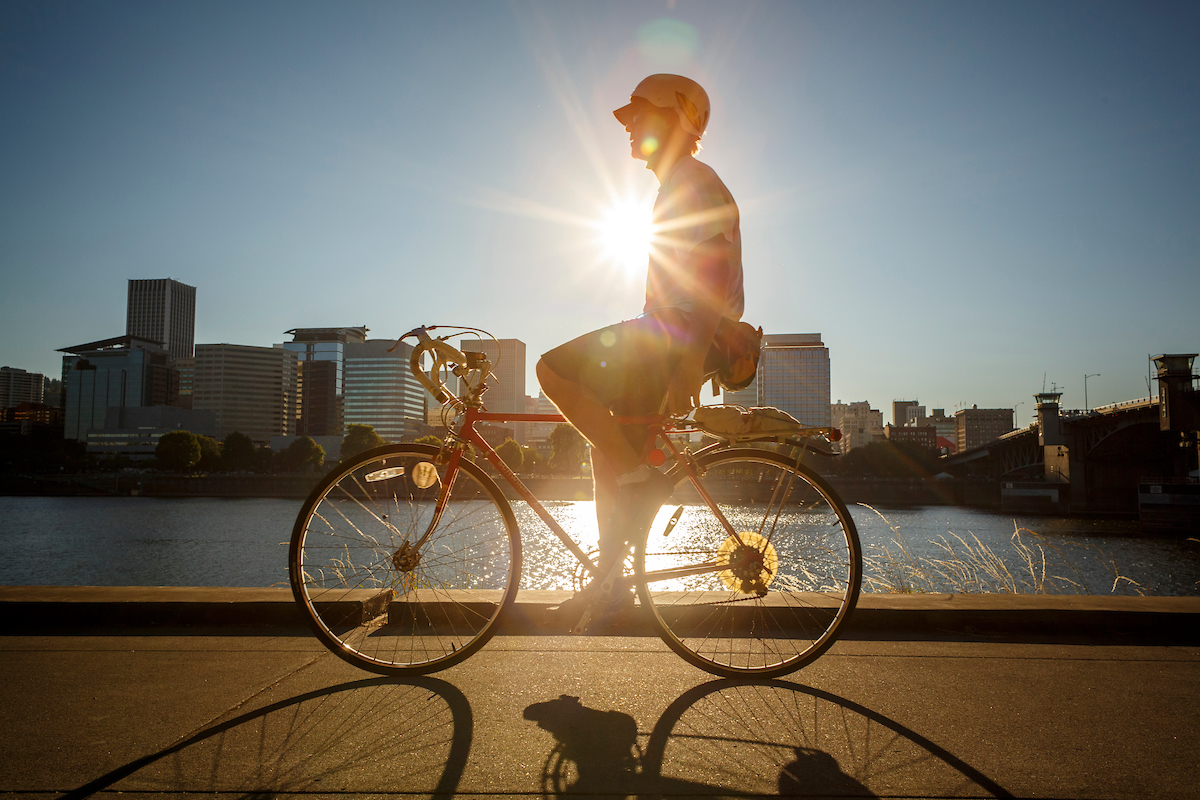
123 372
322 356
793 375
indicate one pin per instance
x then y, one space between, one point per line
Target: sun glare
624 231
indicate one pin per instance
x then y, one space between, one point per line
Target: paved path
266 712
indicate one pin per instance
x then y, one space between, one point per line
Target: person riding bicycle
655 362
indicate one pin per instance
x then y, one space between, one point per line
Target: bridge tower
1179 404
1172 503
1057 443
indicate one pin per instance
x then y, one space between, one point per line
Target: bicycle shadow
737 738
314 742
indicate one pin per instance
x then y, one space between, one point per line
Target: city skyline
966 200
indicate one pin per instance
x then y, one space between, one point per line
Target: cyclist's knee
550 380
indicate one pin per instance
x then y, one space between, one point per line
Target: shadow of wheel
778 737
343 738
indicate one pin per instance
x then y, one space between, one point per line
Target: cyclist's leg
589 413
604 491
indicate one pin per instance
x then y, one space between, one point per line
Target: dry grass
965 565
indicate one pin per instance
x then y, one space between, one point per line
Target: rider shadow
733 738
596 752
333 740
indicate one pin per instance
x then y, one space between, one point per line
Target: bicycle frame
468 434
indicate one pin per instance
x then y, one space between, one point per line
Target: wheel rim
376 599
777 592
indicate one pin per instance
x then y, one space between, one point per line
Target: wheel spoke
384 606
769 598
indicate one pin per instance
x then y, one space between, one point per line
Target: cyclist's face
648 132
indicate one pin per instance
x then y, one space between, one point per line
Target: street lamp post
1016 420
1086 407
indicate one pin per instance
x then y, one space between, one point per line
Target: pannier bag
733 358
736 423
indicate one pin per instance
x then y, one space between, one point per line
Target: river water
138 541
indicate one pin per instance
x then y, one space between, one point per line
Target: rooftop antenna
1043 383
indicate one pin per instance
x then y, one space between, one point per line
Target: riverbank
874 491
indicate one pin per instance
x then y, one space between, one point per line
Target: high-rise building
977 426
946 428
18 386
506 386
123 372
380 391
793 376
322 357
921 435
163 310
249 389
905 412
859 423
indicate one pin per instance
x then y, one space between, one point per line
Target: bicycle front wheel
388 583
769 593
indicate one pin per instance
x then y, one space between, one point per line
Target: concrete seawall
1172 620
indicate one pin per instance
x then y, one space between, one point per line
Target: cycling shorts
628 366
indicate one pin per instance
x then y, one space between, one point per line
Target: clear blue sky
961 198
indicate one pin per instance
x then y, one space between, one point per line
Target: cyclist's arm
711 277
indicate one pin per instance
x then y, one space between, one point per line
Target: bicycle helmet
682 95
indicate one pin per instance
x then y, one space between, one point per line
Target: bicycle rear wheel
769 599
375 594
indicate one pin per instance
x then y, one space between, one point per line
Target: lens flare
624 233
649 145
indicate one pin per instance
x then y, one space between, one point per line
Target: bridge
1131 458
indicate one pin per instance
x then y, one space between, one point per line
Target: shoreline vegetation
964 564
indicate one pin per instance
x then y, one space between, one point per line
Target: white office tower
506 386
163 310
380 391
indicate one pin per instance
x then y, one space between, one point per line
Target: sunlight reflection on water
113 541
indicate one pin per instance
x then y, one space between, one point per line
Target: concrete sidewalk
261 710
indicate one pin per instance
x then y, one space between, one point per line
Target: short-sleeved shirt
629 365
692 206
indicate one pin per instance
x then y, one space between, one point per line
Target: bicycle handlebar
471 368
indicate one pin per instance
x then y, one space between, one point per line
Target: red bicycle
406 557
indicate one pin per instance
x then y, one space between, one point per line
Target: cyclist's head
676 99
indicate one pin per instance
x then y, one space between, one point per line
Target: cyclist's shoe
605 611
638 503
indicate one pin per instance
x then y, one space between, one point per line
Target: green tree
177 451
566 453
264 460
301 455
531 462
237 452
430 439
358 439
510 453
888 459
210 454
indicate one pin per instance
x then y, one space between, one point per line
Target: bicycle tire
791 579
376 604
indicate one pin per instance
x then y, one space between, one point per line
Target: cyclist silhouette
656 361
